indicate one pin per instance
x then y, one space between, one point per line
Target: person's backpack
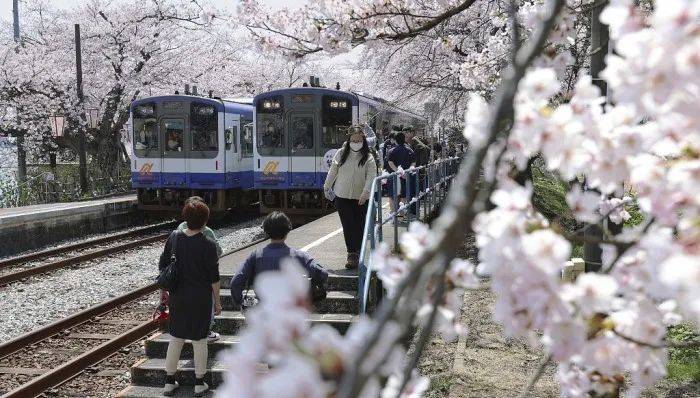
317 291
167 279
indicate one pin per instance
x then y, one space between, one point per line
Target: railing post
397 191
380 209
418 193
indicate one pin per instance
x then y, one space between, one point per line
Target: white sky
6 5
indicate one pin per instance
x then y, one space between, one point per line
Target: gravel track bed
30 304
59 349
109 378
82 239
71 254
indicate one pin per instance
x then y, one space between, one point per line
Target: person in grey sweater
350 179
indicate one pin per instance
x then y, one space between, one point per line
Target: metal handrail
437 173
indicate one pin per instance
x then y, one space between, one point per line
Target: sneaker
213 336
353 261
170 388
201 389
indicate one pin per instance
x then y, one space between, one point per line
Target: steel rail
75 366
40 269
37 335
80 245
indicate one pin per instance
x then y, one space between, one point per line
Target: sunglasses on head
355 130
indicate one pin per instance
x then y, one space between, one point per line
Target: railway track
82 326
81 254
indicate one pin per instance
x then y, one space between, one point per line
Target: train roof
239 105
354 97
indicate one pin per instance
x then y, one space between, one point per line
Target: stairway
339 310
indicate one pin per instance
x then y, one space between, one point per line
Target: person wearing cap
401 156
422 152
348 184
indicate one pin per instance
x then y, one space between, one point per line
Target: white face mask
355 146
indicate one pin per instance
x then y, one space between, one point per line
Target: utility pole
15 15
82 157
600 35
21 153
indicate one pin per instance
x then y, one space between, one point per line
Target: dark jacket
421 150
190 301
269 258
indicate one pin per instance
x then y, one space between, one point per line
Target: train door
232 150
302 162
174 137
245 145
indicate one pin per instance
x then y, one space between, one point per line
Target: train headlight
338 104
272 105
145 110
205 110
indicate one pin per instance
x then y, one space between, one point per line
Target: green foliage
549 198
636 216
63 187
684 363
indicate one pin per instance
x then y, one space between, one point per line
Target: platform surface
322 239
12 215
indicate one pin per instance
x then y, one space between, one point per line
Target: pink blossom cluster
279 354
605 326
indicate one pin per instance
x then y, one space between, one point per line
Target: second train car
297 132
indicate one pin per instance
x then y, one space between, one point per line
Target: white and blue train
297 132
276 149
188 145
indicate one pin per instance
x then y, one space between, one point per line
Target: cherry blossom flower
584 204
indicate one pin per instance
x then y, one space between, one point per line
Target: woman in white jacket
350 178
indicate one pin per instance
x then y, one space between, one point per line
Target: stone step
157 346
157 392
151 372
230 322
339 302
335 282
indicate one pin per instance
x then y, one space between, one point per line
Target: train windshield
145 130
270 127
203 127
337 117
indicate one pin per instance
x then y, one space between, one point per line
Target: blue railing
426 187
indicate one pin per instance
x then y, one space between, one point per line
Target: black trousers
352 218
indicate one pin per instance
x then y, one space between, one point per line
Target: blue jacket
269 258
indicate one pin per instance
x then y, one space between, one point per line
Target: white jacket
350 180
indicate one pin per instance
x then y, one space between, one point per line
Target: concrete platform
31 227
322 239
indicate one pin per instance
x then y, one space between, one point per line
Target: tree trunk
21 159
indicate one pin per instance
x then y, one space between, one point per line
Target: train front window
270 127
204 128
337 117
145 129
302 131
174 132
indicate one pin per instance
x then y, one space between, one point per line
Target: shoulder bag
167 279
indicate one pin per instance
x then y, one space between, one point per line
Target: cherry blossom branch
452 224
426 330
535 377
668 344
435 21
